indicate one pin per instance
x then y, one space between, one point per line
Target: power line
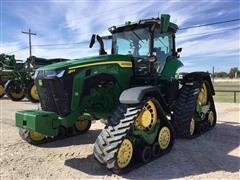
26 47
196 26
209 33
63 44
209 24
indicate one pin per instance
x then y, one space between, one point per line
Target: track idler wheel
125 154
2 91
32 137
211 119
31 92
82 124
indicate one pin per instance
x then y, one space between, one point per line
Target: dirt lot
213 155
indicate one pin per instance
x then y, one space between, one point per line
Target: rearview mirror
92 40
179 50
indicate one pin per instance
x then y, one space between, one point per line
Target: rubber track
108 142
24 135
184 108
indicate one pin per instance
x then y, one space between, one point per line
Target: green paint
164 23
170 68
43 122
101 99
149 138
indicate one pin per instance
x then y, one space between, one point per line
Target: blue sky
75 21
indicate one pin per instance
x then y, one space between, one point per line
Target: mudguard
136 94
198 76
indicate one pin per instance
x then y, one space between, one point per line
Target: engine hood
123 60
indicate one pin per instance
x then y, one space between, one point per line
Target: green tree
221 74
233 71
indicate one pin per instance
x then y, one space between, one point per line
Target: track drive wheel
82 124
2 91
31 92
32 137
15 91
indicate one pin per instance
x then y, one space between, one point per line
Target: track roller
146 154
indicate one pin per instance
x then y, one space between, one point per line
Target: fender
198 76
136 94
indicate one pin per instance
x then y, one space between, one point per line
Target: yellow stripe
123 64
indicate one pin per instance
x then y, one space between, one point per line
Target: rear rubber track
184 109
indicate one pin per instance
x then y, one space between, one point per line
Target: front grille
55 94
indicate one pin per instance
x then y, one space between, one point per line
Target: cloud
75 21
224 46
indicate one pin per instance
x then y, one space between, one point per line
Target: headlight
54 74
50 74
60 74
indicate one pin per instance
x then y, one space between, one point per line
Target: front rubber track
63 134
109 141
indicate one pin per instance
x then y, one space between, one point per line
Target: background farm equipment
16 76
135 88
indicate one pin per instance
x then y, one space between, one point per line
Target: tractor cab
150 43
146 43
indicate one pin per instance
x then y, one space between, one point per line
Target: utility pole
29 33
30 41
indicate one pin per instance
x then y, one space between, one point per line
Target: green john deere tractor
16 76
135 88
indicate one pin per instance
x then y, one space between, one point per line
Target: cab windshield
134 42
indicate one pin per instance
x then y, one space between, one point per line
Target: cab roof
142 23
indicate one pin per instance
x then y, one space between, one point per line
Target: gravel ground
214 155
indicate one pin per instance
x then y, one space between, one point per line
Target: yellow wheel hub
1 90
211 118
125 153
192 126
164 137
202 98
82 123
147 118
35 136
34 93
